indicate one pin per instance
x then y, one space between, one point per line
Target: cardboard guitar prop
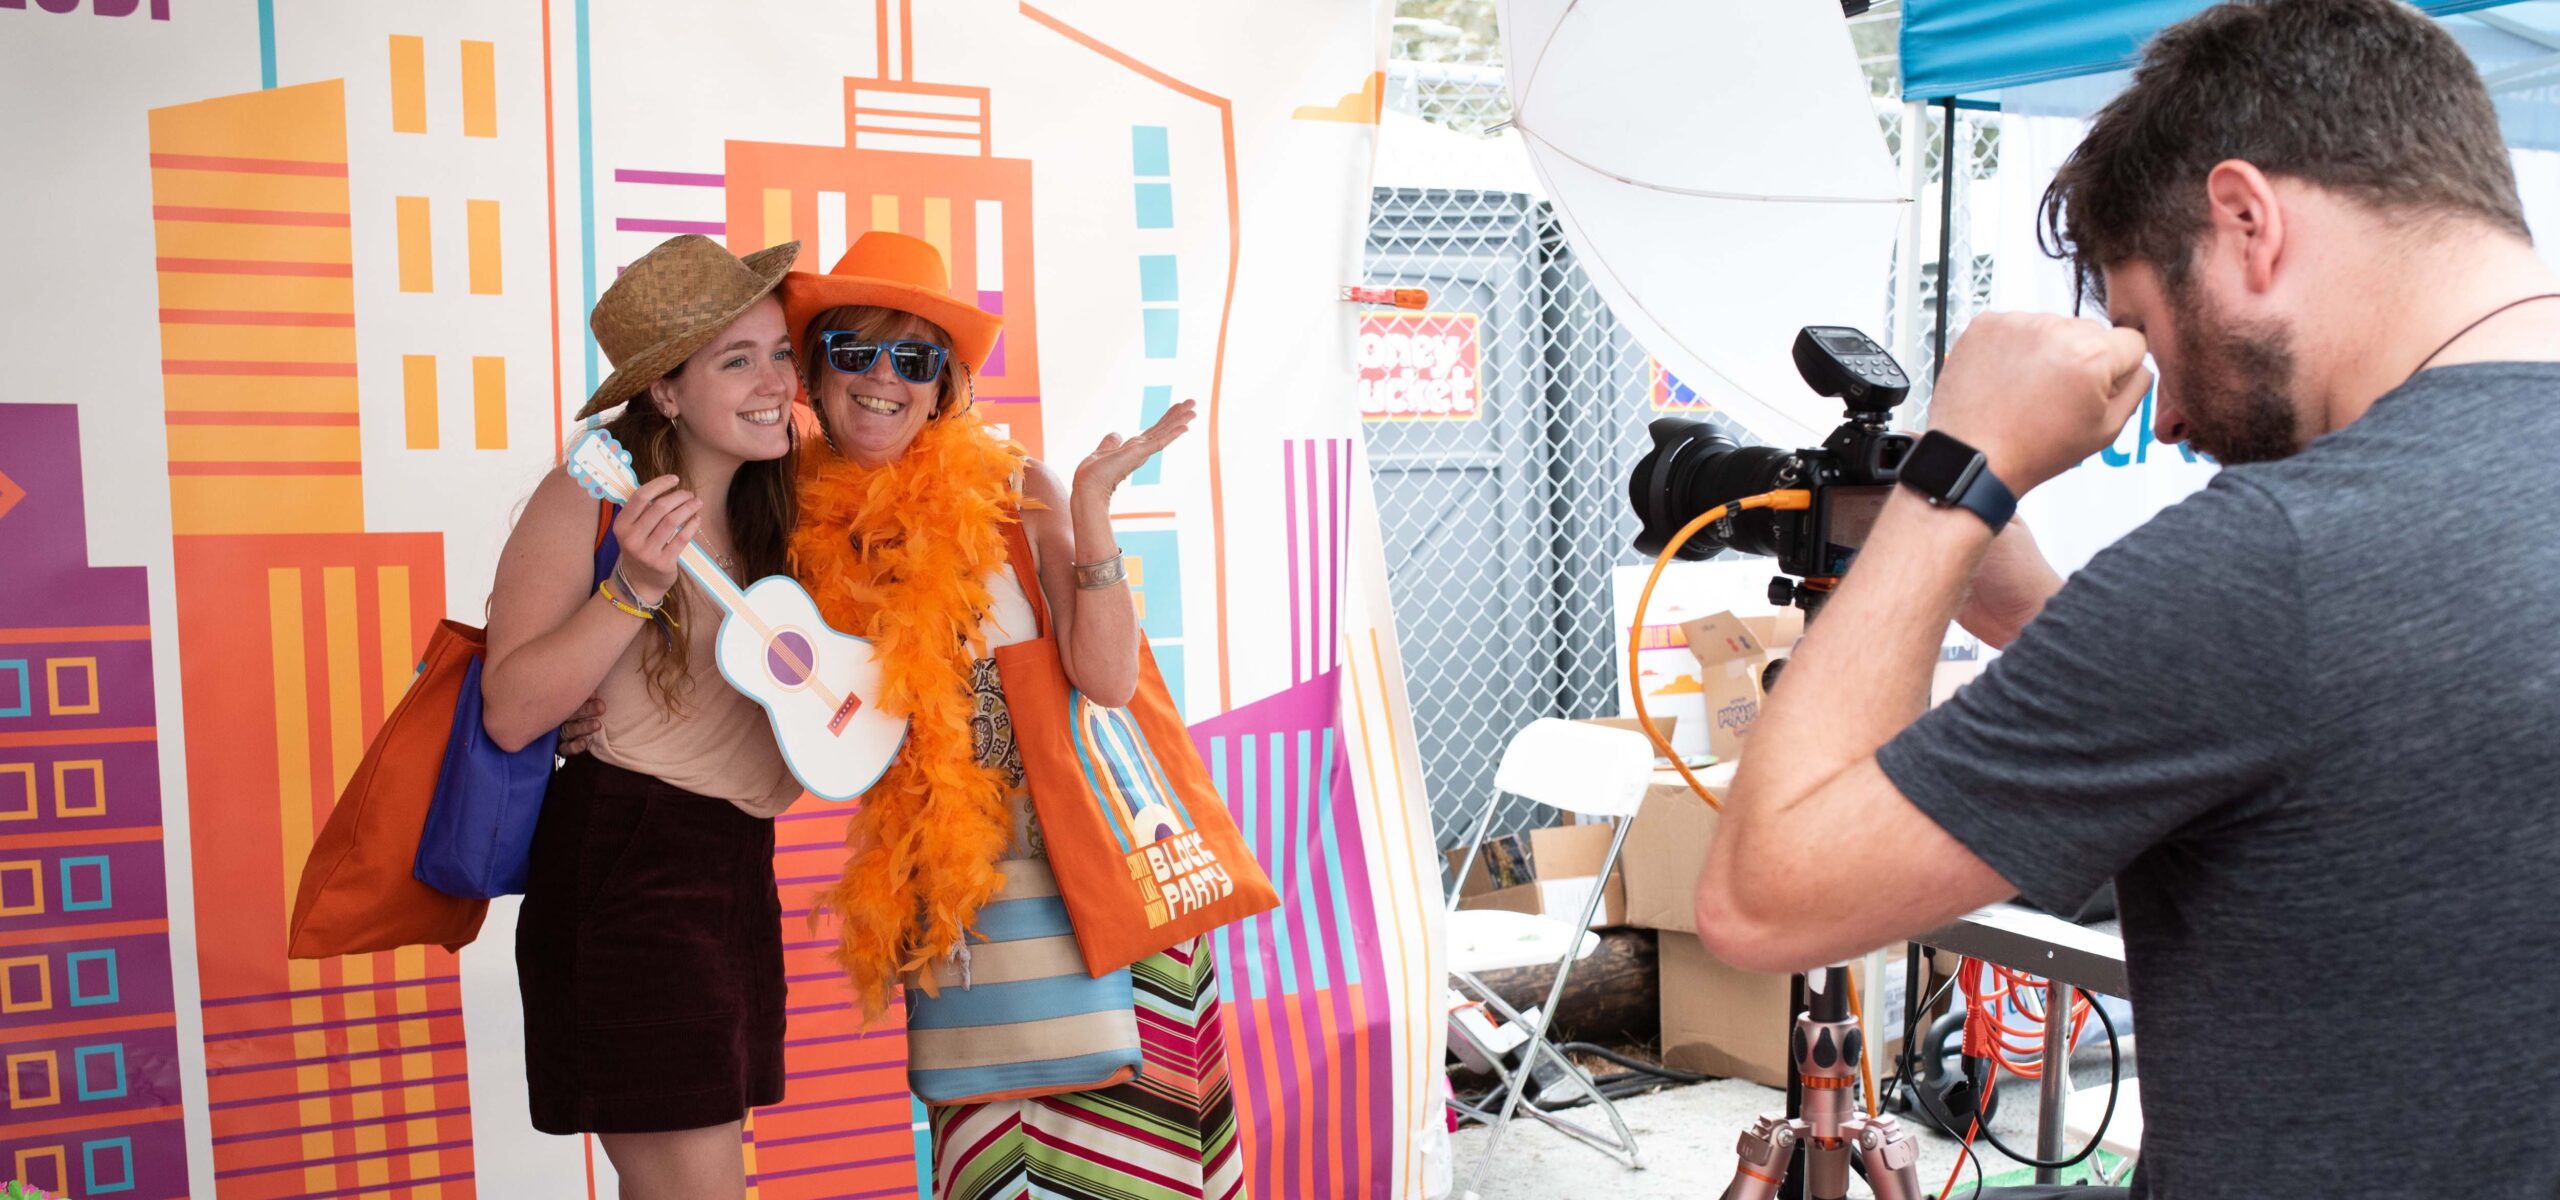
818 686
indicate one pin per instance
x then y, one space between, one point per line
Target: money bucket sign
1418 367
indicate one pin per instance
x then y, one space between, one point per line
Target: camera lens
1691 469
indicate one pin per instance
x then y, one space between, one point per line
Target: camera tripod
1826 1048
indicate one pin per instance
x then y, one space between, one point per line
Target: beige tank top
723 744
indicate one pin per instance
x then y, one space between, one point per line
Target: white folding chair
1576 768
2080 1115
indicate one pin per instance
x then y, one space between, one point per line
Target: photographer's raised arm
1819 856
1811 820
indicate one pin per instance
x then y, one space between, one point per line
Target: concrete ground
1685 1136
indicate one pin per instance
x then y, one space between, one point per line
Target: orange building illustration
297 630
918 159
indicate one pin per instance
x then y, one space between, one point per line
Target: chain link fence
1503 521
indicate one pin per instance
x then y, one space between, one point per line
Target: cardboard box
1667 847
1669 842
1555 876
1664 670
1720 1020
1732 651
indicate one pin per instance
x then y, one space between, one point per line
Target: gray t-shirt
2309 721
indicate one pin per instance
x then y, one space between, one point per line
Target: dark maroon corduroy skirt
649 953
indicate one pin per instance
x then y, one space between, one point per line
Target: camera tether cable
1784 500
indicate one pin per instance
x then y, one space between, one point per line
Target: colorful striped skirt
1170 1132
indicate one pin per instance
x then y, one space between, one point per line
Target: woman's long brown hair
764 503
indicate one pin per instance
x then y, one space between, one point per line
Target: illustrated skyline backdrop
323 270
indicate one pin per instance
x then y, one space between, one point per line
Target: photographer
2309 719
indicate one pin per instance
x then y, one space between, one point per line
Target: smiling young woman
649 947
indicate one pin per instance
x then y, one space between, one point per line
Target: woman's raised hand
1113 460
653 529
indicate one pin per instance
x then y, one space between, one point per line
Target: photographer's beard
2234 383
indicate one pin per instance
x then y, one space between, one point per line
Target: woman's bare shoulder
1041 486
558 514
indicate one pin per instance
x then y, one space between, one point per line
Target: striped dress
1171 1132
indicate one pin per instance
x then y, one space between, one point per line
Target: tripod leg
1764 1151
1793 1189
1891 1156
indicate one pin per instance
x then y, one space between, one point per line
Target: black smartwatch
1951 474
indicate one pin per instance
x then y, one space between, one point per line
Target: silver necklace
727 562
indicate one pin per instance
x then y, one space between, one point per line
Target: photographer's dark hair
2364 97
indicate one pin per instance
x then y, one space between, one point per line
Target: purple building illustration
88 1038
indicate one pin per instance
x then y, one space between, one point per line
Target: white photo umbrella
1719 169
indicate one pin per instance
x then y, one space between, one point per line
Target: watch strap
1977 491
1988 498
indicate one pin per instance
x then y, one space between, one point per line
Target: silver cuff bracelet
1093 577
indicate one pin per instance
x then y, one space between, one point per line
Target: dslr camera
1692 468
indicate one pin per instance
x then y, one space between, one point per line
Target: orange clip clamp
1413 298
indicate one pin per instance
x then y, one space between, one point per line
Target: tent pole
1915 225
1946 230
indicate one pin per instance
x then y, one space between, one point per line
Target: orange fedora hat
891 270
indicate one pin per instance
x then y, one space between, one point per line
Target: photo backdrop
295 314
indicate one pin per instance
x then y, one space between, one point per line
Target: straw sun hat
892 270
669 303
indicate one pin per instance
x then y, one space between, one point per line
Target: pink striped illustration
1307 1009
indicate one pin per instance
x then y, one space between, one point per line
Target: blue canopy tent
1958 48
2068 57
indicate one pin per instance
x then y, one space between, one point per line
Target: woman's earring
968 391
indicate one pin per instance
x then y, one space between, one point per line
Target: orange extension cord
1990 990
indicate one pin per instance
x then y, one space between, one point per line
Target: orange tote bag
359 892
1145 854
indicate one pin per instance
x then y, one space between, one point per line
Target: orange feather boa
900 555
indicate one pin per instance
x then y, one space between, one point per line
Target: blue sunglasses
914 361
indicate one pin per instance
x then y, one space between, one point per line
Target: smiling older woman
902 540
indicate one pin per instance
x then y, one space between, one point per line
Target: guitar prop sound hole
788 657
